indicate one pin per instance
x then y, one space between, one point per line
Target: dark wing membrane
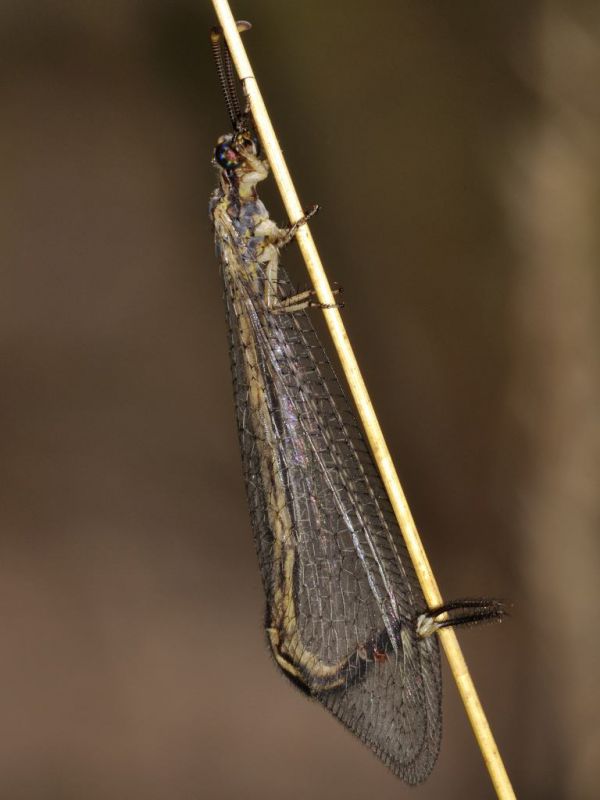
355 594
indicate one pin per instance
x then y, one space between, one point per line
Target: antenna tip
216 33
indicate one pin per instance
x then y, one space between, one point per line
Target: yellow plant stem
363 403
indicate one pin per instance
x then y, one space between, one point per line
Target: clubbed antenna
225 71
471 611
230 80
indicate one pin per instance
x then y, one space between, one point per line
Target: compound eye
226 156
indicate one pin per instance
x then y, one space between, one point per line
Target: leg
279 237
289 233
301 301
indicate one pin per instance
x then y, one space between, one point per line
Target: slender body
346 620
342 597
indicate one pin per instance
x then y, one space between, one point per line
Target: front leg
290 232
282 236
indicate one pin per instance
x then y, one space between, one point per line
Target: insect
346 620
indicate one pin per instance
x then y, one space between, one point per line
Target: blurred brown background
454 148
